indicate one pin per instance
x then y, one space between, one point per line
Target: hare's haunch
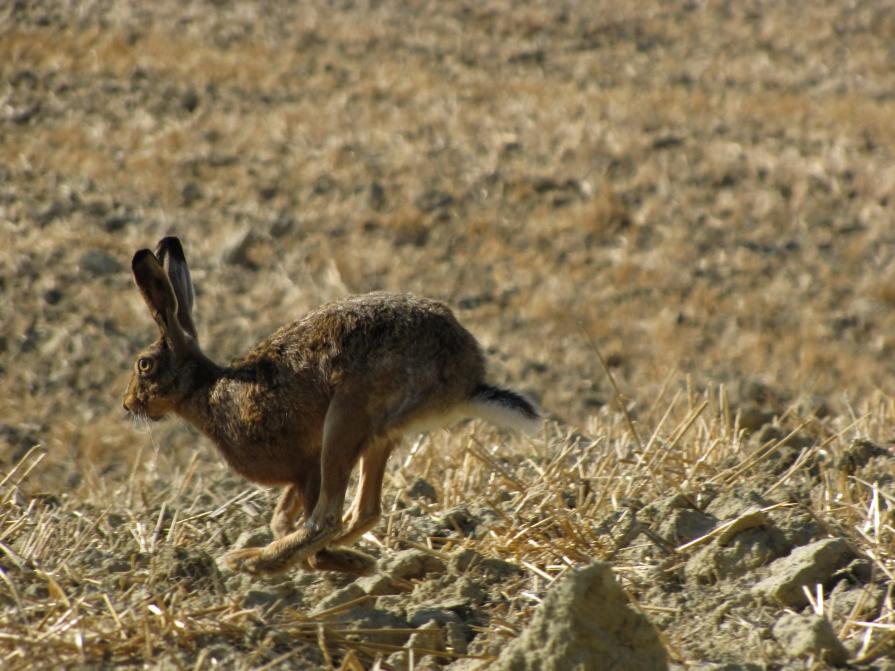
337 387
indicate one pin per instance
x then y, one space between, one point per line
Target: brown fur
340 385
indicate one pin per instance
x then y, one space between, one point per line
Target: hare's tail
505 408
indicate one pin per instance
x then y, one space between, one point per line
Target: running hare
338 386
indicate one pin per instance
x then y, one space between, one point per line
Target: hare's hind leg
366 509
300 496
345 434
290 502
343 560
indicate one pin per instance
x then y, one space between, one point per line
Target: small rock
805 566
410 564
116 222
858 454
752 418
244 252
428 636
742 553
729 505
434 200
489 569
684 525
859 603
348 593
585 622
428 663
393 603
52 296
323 185
190 193
118 566
37 591
378 585
463 559
190 100
398 660
98 262
460 519
271 598
420 489
418 617
457 635
392 627
192 567
804 635
377 199
53 211
858 572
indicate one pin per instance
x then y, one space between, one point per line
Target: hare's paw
244 559
264 561
343 561
255 561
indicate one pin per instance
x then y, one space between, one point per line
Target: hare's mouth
144 415
141 410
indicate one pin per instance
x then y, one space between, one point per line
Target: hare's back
383 331
378 333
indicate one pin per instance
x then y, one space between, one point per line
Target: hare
337 387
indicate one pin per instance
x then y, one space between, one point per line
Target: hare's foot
343 561
282 554
244 559
257 561
356 526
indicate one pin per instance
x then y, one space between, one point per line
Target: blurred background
702 190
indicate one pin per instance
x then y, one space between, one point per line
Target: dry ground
701 191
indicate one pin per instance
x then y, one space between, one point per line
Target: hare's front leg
345 433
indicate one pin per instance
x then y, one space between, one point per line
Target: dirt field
698 193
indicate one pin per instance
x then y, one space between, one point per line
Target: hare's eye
144 365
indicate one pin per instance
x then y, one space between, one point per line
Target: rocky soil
670 223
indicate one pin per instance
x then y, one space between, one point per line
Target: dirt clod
809 635
408 564
585 622
804 567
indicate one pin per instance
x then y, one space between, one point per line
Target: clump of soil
585 622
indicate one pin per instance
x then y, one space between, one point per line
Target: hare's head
165 372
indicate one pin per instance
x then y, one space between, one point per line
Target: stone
809 635
272 598
410 564
417 617
97 262
585 622
378 585
348 593
421 489
805 566
428 636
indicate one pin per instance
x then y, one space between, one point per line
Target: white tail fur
505 408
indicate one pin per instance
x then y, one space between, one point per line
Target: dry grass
92 579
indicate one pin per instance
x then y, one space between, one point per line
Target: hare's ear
160 298
170 254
